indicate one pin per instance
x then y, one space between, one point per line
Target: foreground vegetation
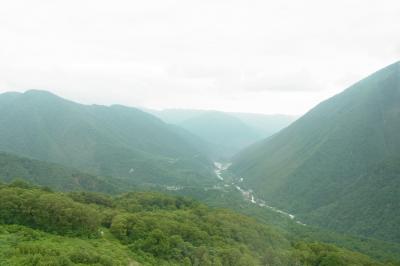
230 198
41 227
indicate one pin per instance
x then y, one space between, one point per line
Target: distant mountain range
108 141
225 133
338 166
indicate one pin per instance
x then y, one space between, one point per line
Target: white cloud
256 56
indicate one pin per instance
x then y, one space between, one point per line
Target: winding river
248 195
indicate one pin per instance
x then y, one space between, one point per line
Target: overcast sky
251 56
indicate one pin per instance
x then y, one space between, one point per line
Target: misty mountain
338 165
175 116
267 125
224 133
107 141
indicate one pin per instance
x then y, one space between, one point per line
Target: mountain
211 150
58 177
222 130
224 133
107 141
337 166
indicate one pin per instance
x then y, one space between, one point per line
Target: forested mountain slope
337 165
146 228
55 176
108 141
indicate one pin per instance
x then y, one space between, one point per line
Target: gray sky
250 55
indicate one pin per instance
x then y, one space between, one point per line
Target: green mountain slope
146 228
107 141
373 199
331 165
52 175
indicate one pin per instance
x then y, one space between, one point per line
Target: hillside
14 168
373 199
144 229
336 165
106 141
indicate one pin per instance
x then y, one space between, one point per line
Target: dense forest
41 227
230 198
